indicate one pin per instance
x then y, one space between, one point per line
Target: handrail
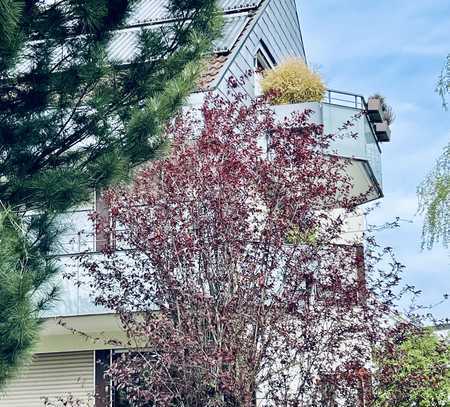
352 100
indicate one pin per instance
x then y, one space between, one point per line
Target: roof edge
301 34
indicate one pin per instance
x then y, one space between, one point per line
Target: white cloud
374 29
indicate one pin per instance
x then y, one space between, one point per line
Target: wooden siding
278 27
51 375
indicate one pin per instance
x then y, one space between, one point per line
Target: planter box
383 131
374 110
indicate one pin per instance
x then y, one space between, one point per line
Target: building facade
257 35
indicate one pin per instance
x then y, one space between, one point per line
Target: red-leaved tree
232 274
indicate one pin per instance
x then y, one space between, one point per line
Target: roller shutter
51 375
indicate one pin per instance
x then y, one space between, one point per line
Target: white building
258 34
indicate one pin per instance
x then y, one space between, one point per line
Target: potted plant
374 109
292 82
382 115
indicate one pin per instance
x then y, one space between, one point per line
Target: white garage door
51 375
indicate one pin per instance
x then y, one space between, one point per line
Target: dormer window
263 61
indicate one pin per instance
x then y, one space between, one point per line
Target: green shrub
293 82
414 372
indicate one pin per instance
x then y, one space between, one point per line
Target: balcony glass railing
365 146
75 292
77 238
336 109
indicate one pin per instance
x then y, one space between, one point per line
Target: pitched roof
154 14
155 11
124 41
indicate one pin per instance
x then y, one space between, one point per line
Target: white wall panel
51 375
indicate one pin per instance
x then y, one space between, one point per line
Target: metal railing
347 99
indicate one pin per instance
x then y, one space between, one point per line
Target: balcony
363 151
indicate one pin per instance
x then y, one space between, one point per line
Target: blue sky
397 48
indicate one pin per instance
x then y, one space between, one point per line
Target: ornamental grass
293 82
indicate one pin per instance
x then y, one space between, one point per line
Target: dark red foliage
230 271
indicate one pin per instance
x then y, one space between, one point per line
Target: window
106 393
263 61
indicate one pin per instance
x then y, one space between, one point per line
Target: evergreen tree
24 289
72 119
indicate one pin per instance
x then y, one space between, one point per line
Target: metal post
78 274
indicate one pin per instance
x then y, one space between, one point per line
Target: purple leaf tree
227 265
